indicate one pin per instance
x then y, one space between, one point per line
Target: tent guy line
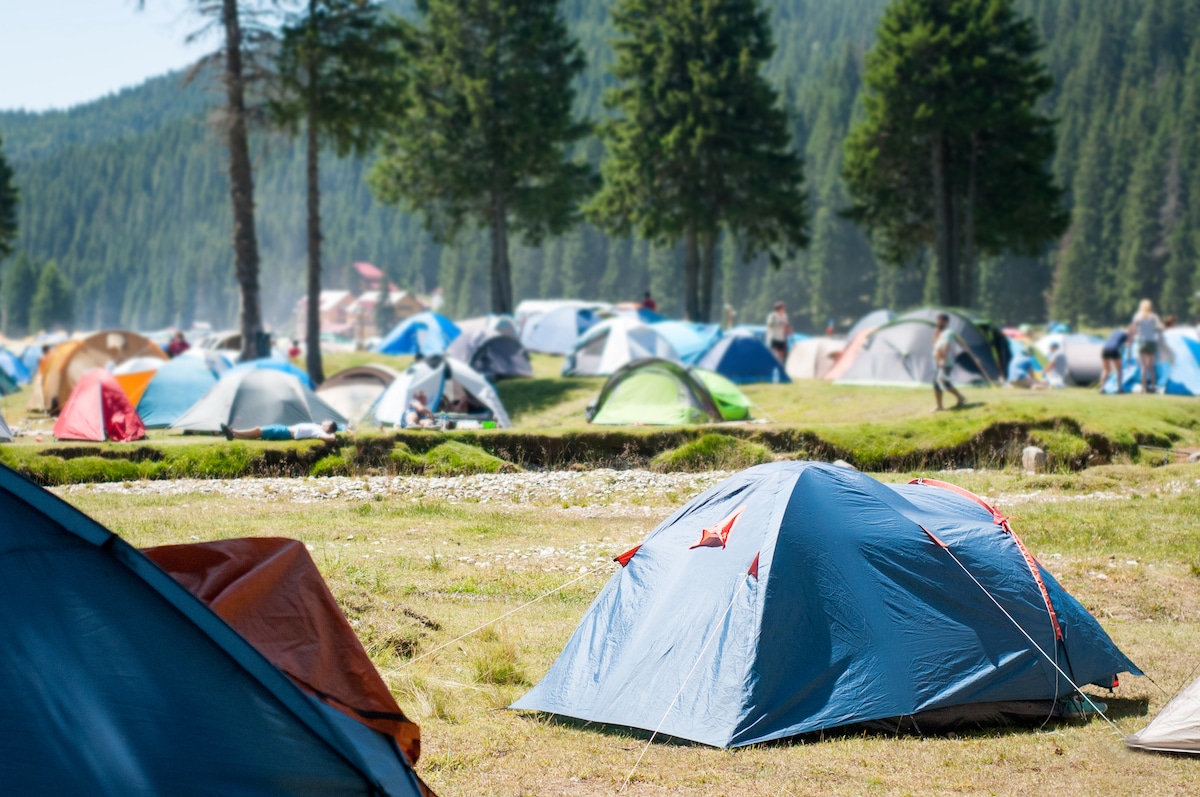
1036 646
746 577
478 628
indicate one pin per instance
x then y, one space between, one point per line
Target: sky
60 53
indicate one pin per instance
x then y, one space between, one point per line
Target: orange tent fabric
849 354
69 361
135 384
270 591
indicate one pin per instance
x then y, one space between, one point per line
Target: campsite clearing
416 562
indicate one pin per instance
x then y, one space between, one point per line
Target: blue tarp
689 340
275 365
173 389
426 334
117 680
742 360
12 365
829 604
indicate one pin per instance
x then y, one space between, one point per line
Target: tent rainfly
1176 729
98 410
494 354
613 343
256 397
445 381
660 392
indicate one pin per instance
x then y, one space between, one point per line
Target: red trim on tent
624 558
934 537
716 536
753 571
1001 520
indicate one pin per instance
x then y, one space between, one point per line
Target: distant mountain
128 193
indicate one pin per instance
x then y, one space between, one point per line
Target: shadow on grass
525 396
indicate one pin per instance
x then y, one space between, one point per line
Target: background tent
426 334
173 389
795 597
6 434
1176 729
67 362
493 354
504 324
872 320
743 360
14 367
986 341
98 410
1177 375
141 688
352 391
256 397
557 330
213 358
613 343
443 380
661 392
689 340
283 366
1082 352
134 375
901 353
813 358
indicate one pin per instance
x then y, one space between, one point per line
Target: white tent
812 358
6 434
1176 729
442 379
611 344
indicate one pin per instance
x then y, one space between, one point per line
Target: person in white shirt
325 432
778 330
1146 333
945 343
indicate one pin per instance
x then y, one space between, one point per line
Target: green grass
712 452
413 575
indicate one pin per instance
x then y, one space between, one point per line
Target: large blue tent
1177 375
426 334
173 389
742 359
14 367
116 679
795 597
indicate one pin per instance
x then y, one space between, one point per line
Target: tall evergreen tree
242 34
952 152
340 79
20 284
54 301
9 196
487 133
700 144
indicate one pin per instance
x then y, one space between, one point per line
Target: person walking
1146 332
778 330
945 349
1111 358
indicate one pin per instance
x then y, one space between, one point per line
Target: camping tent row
797 597
210 668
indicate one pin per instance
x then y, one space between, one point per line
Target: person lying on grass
325 432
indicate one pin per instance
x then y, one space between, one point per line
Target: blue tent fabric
117 680
275 365
32 357
1179 376
426 334
830 603
690 340
14 367
173 389
742 360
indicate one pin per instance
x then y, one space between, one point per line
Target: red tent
98 410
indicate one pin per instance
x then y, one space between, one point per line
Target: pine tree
952 152
53 304
9 196
489 127
340 78
20 284
699 144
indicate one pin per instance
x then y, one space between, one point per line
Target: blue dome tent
14 367
426 334
690 340
557 330
174 388
118 679
795 597
743 359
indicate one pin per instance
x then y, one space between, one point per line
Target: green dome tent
659 392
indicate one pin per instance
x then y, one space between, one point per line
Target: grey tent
1176 729
443 380
6 434
353 391
812 358
256 397
872 320
901 353
491 353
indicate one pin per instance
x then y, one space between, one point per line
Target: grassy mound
451 458
712 452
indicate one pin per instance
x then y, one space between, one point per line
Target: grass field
415 571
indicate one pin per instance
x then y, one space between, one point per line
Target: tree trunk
241 185
312 347
708 267
943 222
967 248
502 300
691 273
